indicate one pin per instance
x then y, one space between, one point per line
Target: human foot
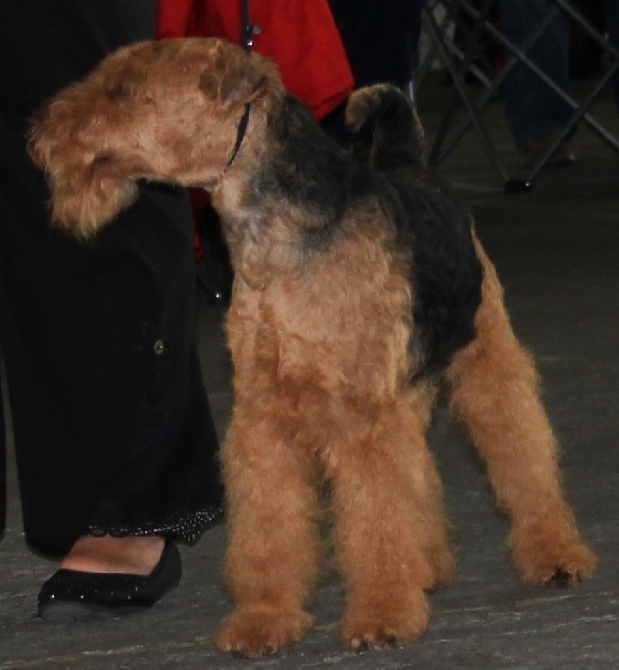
533 151
127 555
118 580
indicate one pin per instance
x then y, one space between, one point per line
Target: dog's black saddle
446 272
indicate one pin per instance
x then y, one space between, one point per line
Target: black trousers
381 41
380 38
113 431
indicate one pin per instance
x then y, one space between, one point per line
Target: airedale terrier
358 291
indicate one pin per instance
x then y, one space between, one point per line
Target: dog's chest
333 331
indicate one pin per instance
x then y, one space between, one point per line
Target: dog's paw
369 636
548 562
261 632
377 635
387 625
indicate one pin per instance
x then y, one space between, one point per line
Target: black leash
240 134
248 30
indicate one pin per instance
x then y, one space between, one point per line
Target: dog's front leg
390 531
273 548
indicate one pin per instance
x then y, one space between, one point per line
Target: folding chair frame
450 55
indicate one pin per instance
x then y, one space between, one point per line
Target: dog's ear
238 81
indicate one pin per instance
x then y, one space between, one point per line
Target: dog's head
163 111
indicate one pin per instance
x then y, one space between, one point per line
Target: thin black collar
240 134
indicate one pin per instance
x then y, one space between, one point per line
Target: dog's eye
102 159
118 91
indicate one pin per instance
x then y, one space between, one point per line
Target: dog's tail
398 138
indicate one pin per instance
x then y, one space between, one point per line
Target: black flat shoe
70 595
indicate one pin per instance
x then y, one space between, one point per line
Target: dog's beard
82 209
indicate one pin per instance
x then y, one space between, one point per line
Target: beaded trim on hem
186 527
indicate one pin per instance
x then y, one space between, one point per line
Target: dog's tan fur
320 330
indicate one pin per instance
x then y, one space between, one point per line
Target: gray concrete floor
557 251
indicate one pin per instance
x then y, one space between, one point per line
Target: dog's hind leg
273 540
494 391
390 532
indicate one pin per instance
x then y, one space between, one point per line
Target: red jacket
299 35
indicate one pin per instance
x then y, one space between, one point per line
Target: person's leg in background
612 25
381 40
534 111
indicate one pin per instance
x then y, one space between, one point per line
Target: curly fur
358 291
